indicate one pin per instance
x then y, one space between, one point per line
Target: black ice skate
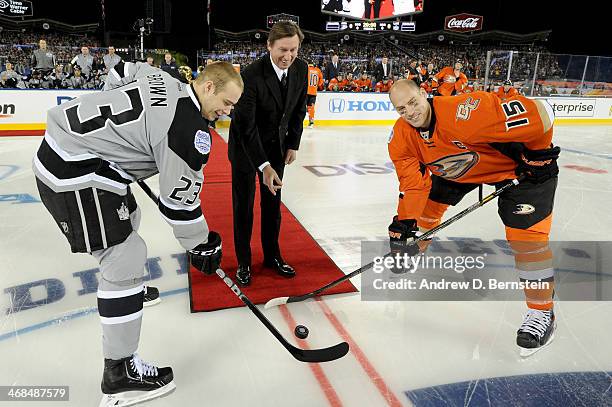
151 296
129 381
537 331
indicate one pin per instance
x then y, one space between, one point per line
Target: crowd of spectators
78 62
61 61
359 58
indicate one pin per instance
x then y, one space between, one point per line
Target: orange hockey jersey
315 80
427 86
506 95
336 86
447 88
456 144
382 87
363 85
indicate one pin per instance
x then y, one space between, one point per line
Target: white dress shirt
279 74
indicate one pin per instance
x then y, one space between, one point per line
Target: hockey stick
303 355
284 300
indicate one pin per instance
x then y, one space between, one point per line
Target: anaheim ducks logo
524 209
464 110
454 166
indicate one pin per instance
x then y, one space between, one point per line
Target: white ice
226 358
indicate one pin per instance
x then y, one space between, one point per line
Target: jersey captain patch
454 166
201 142
464 110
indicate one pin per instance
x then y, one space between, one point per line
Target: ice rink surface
343 190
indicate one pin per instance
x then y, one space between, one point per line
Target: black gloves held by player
401 235
206 257
538 165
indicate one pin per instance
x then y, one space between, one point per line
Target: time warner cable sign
15 8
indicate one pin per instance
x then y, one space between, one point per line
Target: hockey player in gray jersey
84 61
42 59
145 122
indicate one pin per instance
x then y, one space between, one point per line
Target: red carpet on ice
314 268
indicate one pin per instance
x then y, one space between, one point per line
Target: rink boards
23 112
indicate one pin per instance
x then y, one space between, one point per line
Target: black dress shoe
243 275
280 266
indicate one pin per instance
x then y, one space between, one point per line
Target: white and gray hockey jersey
144 122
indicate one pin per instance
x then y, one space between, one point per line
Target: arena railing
546 74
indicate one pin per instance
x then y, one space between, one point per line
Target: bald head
410 102
403 85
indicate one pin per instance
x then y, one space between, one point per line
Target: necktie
283 84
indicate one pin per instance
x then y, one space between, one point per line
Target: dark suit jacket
379 72
331 72
260 118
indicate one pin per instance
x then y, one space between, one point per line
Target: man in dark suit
369 4
264 136
383 69
331 69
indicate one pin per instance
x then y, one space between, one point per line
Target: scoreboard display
408 26
369 10
273 19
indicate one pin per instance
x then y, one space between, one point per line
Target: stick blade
275 302
321 355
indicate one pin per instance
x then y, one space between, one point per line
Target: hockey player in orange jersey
384 85
315 83
450 80
350 83
337 84
506 91
445 147
364 84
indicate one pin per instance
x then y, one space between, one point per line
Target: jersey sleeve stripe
63 169
115 74
183 222
549 110
119 70
179 215
178 207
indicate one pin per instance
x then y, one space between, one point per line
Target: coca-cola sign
463 22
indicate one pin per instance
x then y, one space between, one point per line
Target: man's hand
290 156
271 179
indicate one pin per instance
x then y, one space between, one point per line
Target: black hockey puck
301 332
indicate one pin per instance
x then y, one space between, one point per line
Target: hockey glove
401 237
538 165
206 257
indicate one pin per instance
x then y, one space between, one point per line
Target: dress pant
243 197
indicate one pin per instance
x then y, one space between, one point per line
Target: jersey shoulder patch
201 141
464 110
188 135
